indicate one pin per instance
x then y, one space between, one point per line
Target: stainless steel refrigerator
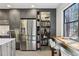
28 34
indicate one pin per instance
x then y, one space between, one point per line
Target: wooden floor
43 52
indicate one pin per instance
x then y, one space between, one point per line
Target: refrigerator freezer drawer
33 38
31 45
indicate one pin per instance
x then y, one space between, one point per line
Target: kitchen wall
59 18
14 16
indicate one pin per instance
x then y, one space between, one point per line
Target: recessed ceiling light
9 6
33 6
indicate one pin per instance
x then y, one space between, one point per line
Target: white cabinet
7 47
13 47
4 50
0 50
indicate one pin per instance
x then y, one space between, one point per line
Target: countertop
5 40
68 42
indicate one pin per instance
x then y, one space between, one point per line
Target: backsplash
4 29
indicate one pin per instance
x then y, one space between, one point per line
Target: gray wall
53 20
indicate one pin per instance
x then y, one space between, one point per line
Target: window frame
64 23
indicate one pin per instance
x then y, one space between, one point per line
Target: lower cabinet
4 49
13 48
0 50
8 49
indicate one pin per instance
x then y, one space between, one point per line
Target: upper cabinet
4 22
28 13
3 14
14 18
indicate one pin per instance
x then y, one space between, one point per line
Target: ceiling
28 5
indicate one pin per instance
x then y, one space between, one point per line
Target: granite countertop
5 40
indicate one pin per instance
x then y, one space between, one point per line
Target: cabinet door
13 47
9 50
4 14
14 18
0 50
28 13
4 22
4 50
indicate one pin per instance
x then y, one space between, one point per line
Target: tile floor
43 52
33 53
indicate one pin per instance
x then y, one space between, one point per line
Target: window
71 21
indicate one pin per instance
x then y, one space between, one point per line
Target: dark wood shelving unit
45 24
41 25
38 31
